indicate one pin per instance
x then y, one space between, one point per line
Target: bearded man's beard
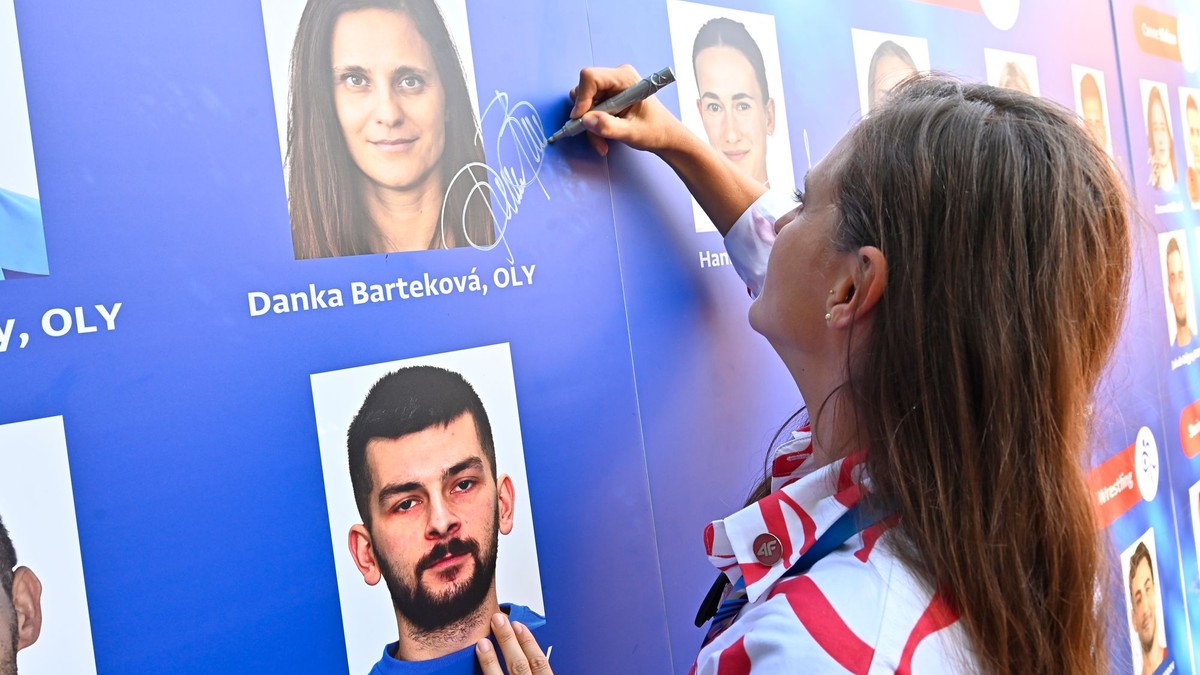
428 612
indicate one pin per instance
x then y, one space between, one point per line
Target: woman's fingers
521 651
489 663
539 663
506 639
600 83
645 126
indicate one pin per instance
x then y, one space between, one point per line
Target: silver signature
516 161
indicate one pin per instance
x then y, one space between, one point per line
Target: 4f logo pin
767 549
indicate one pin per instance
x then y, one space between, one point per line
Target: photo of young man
20 605
44 619
438 505
1147 635
1177 286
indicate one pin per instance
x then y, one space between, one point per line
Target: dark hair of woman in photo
339 191
725 32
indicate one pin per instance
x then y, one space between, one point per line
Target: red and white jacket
858 609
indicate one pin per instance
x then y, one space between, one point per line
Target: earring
831 291
828 317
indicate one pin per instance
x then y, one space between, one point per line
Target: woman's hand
722 189
520 649
646 126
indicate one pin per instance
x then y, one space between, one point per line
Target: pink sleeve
750 239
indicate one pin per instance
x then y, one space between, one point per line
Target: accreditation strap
725 601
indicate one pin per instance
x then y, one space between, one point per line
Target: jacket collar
806 501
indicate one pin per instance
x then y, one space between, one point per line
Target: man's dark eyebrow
469 463
390 490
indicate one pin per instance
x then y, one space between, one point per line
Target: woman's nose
387 108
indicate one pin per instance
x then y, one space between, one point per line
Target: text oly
58 322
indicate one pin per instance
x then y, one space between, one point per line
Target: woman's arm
722 190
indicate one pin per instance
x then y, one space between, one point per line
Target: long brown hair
326 205
1006 229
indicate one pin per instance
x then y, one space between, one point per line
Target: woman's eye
798 196
354 80
410 82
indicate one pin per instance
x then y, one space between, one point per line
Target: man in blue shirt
423 470
22 241
20 606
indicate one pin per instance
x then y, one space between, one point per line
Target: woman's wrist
682 149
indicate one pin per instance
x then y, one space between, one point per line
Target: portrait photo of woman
1189 102
1160 141
1012 70
380 119
890 65
884 60
1091 103
22 237
730 89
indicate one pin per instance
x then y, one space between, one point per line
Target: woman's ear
859 288
873 280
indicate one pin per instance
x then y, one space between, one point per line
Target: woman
734 101
380 123
915 293
890 65
1012 76
1162 145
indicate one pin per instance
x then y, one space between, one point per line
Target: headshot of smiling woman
890 65
380 121
1162 145
734 100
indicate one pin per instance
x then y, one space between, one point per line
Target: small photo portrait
22 238
429 509
1194 513
377 114
883 60
1177 287
1011 70
731 90
1160 136
1147 632
44 623
1189 103
1091 104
